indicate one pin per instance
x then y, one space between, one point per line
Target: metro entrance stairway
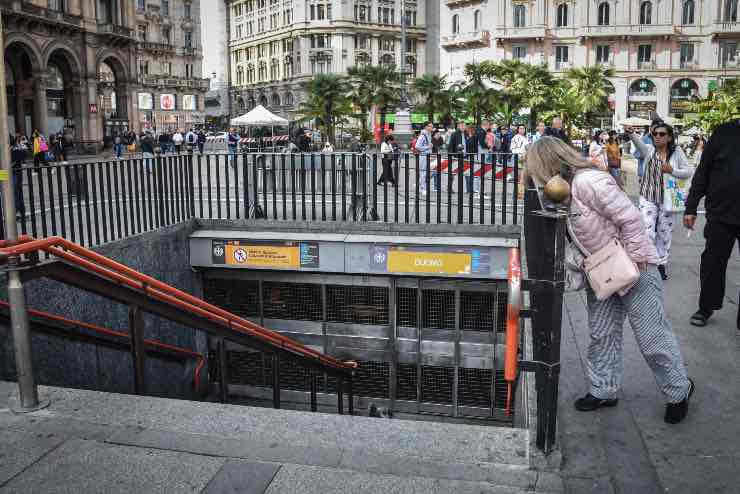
89 438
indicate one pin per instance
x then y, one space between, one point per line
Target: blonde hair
547 156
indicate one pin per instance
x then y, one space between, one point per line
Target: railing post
350 397
545 246
340 395
138 352
160 191
276 380
223 371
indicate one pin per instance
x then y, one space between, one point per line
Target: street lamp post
27 390
402 128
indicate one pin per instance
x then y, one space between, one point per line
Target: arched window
363 58
687 14
646 13
520 16
239 76
263 100
562 15
241 103
275 99
288 99
603 14
476 20
387 60
55 80
455 24
730 11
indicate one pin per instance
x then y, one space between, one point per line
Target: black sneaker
663 275
700 318
676 412
589 403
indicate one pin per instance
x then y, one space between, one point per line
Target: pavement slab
19 450
79 466
242 477
629 448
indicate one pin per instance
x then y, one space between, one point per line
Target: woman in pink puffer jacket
599 212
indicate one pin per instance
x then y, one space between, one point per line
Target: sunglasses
660 134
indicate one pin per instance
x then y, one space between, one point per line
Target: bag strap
573 237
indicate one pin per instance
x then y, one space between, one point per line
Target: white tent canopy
258 116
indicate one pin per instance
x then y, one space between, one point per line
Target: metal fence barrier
97 202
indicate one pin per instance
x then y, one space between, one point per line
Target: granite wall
162 254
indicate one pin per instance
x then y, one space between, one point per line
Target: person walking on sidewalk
662 159
18 155
177 140
389 157
40 148
717 180
424 146
599 212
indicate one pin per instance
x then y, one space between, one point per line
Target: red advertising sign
93 108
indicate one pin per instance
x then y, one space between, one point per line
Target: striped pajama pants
643 305
659 227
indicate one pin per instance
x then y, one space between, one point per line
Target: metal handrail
513 310
117 272
199 357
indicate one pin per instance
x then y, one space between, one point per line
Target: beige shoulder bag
609 270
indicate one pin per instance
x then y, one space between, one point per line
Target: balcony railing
458 3
563 65
689 64
521 32
726 27
464 40
647 65
115 30
629 30
155 47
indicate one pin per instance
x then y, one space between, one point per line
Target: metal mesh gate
475 311
357 304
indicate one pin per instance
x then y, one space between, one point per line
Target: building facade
70 67
169 60
276 46
664 52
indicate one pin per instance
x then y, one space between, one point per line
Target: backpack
413 145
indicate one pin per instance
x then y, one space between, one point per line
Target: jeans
118 149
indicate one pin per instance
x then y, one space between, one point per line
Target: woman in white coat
662 160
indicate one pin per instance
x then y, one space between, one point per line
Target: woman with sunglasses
662 159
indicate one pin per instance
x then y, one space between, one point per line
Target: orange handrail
513 307
112 270
98 329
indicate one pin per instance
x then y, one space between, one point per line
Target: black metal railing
544 239
96 202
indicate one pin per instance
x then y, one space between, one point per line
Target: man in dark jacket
556 130
717 179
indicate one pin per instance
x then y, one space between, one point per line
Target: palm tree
525 85
432 89
477 95
382 84
592 86
360 95
327 101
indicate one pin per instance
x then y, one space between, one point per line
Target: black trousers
387 175
721 238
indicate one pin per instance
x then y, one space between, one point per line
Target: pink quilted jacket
600 211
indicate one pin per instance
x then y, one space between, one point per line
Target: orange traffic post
513 307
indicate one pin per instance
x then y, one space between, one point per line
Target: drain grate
436 384
406 382
406 307
438 308
474 387
357 304
297 301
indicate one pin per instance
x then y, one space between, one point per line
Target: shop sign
189 102
146 101
681 105
641 108
167 101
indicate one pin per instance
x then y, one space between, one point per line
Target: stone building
74 65
664 52
276 46
70 66
171 90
